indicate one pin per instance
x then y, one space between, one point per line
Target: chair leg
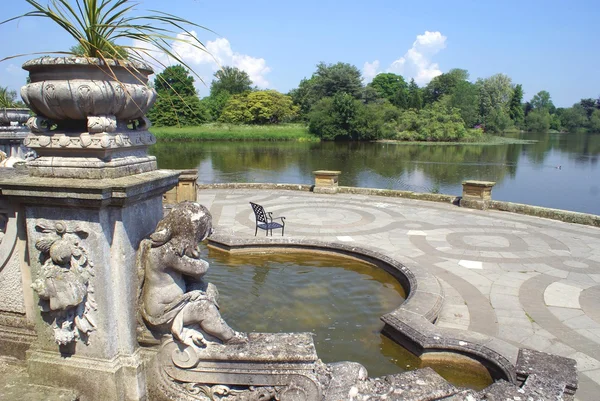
282 229
256 230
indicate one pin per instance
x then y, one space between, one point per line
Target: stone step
15 385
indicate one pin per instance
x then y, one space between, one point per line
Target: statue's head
184 227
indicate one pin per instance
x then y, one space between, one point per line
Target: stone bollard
477 194
326 181
185 189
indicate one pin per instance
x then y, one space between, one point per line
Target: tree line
335 104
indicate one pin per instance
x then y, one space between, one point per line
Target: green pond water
339 300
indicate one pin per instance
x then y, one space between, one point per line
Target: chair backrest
259 212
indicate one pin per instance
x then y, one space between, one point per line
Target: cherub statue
173 296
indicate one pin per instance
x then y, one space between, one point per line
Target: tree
542 101
177 102
433 123
173 80
214 104
464 98
538 120
8 98
444 84
589 105
342 117
415 98
304 96
595 121
326 81
330 79
231 80
515 108
495 93
392 87
259 107
574 118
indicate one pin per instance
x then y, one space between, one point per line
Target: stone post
477 194
326 181
185 189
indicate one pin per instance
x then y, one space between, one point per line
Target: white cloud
218 53
370 70
416 62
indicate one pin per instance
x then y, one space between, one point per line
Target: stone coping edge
412 323
566 216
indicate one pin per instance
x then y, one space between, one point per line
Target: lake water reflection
559 171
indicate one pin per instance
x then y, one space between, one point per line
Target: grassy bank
484 139
231 132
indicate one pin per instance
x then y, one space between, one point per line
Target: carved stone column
82 238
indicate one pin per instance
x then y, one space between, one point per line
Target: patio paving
530 281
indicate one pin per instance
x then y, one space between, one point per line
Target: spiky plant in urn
90 105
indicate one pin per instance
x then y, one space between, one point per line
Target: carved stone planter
13 116
90 117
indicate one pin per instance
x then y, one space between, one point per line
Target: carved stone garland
63 284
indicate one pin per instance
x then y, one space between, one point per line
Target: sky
544 45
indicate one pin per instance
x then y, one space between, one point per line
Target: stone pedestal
102 222
185 189
477 194
326 181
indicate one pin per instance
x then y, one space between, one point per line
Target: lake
558 171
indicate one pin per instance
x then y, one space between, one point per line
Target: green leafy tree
326 81
515 108
415 96
495 93
392 87
444 84
304 96
542 100
464 97
589 105
595 121
231 80
574 118
330 79
214 104
538 120
433 123
259 107
177 103
342 117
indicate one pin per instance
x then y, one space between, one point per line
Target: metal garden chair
264 220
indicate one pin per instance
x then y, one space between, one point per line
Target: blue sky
543 45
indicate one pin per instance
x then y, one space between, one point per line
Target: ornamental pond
339 300
558 170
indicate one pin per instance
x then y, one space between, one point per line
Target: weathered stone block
477 194
326 181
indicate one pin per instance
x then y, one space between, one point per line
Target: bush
343 117
435 123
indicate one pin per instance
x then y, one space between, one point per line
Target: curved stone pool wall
411 324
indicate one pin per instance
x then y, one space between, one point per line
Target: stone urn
13 116
90 117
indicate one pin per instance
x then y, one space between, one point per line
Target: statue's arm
189 266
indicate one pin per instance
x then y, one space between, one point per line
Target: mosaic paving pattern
530 281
